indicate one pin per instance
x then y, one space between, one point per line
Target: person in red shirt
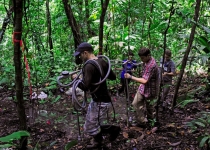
144 100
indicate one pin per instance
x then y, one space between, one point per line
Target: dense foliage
128 26
48 35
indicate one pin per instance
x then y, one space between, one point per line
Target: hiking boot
115 133
112 130
96 142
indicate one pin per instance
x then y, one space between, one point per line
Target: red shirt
150 73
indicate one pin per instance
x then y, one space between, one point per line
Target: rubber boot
97 141
112 130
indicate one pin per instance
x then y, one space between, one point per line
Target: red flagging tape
25 61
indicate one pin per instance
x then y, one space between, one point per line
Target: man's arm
146 75
140 80
88 70
169 73
173 70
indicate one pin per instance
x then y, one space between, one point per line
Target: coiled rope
65 74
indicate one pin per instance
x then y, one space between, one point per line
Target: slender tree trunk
87 14
49 29
5 23
185 58
128 18
104 6
144 3
18 14
208 64
72 23
149 25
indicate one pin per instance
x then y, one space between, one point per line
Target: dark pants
166 88
123 85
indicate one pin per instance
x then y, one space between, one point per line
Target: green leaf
208 120
202 120
209 141
206 29
42 101
55 100
5 146
200 124
185 102
158 25
203 41
51 87
4 80
53 82
53 143
203 141
70 145
14 136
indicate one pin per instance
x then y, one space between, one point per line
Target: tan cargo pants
144 107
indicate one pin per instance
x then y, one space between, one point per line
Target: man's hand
73 76
127 75
164 74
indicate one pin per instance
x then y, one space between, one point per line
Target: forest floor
55 123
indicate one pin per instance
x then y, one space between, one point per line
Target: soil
55 122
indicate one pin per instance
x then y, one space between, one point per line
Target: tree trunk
49 29
104 6
5 23
149 25
144 4
72 23
87 14
18 14
185 58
